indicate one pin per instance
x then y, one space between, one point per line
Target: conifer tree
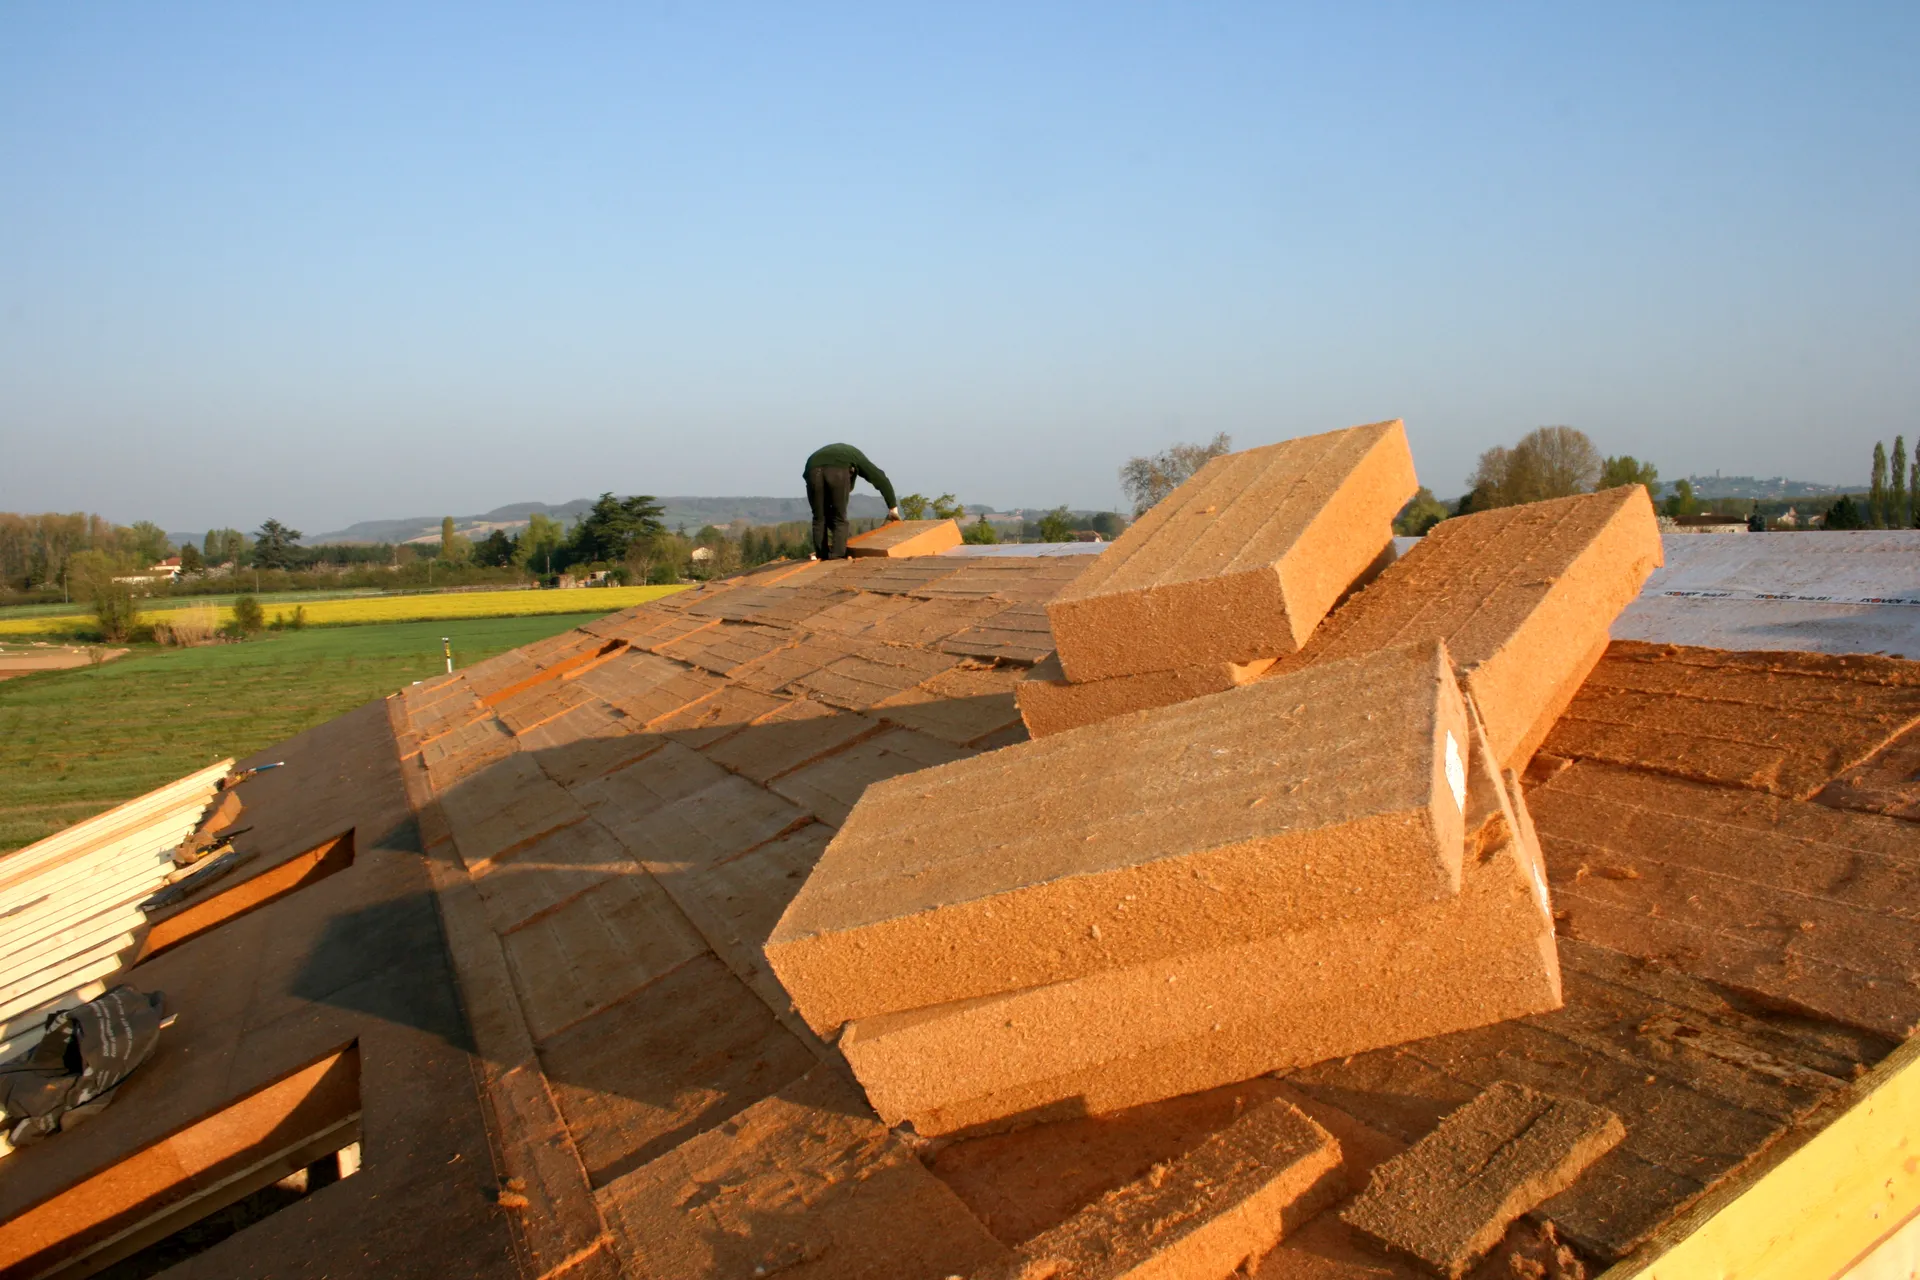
1901 515
1877 490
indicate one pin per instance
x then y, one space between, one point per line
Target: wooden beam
1816 1208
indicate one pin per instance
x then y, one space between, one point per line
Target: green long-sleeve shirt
845 455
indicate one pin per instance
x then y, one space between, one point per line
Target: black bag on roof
71 1075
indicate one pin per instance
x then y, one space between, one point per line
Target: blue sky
335 262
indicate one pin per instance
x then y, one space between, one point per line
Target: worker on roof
830 474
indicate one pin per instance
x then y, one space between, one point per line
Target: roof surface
719 749
614 819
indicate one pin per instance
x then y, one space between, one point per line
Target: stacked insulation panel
1327 856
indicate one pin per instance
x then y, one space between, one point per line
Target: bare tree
1147 480
1549 462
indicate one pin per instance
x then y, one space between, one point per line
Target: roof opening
165 1203
174 925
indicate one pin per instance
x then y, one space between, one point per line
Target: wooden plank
78 938
111 888
116 823
1816 1206
83 972
48 978
22 1031
153 843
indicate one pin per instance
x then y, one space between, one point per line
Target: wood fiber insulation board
926 622
959 706
773 673
1766 1222
565 657
501 671
633 794
898 539
552 870
1796 902
1032 1179
1449 1198
1009 580
901 577
1050 703
672 1060
1523 597
711 825
734 904
601 946
796 735
511 805
833 784
466 750
562 1224
588 742
645 626
1887 782
1242 561
737 603
873 674
1018 633
859 614
1702 1087
1184 828
539 704
1201 1216
725 648
647 687
804 1184
562 651
1784 723
703 723
1135 1034
447 708
628 624
797 607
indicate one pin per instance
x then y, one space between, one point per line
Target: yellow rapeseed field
421 608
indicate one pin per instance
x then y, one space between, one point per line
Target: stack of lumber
69 905
1324 857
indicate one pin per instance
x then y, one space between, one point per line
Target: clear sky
333 262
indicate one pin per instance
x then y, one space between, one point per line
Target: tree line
625 538
1892 500
1557 462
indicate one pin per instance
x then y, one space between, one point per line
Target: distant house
166 571
1710 524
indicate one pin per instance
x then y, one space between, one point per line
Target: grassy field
74 743
30 623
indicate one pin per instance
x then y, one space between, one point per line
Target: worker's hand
893 513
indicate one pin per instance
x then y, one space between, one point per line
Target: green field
161 604
74 743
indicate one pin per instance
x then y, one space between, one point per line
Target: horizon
327 266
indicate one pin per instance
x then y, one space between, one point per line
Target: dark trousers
827 490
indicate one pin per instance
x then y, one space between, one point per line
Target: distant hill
692 512
1718 486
